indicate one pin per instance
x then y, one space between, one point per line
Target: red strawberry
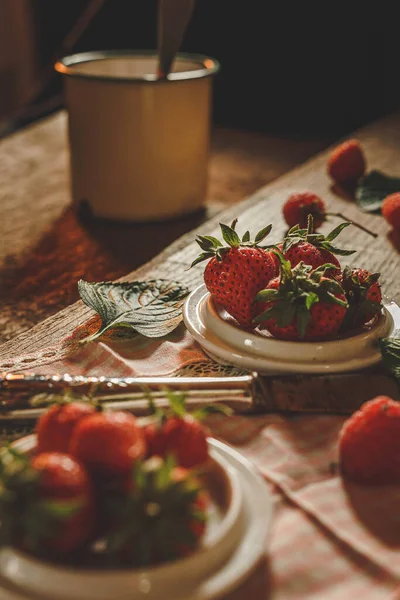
369 443
183 437
363 294
47 503
391 209
236 272
315 249
298 206
162 517
108 442
347 163
54 427
177 433
302 304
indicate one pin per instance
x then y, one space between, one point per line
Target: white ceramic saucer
227 343
233 547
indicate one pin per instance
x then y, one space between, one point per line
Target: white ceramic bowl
220 338
224 531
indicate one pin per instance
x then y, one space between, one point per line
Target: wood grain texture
381 142
46 245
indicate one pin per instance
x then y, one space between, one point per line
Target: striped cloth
330 540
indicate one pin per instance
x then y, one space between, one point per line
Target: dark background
287 67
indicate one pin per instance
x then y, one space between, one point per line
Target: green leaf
373 189
246 237
333 299
287 313
266 295
230 236
202 257
311 299
390 349
338 251
177 402
335 232
303 319
285 266
212 409
59 509
152 308
262 234
209 240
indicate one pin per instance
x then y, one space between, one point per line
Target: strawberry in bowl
302 303
46 503
238 270
114 501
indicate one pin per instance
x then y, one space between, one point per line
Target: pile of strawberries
296 290
103 489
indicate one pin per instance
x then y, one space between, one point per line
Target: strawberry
315 249
363 294
178 433
54 427
108 443
161 518
369 443
302 303
46 504
236 272
391 209
347 163
298 206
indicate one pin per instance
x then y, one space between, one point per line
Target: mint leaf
152 308
390 349
373 189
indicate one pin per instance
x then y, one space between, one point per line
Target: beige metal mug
139 146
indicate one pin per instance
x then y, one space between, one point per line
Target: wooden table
45 245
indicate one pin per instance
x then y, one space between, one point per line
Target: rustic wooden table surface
46 245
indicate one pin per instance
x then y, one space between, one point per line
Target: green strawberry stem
341 216
296 235
212 247
299 289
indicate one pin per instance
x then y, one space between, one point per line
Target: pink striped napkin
331 540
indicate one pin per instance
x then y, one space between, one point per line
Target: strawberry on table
236 271
108 443
46 504
298 206
369 443
347 162
54 427
302 303
315 249
391 209
363 294
162 518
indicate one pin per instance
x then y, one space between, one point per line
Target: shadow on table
377 509
78 246
394 239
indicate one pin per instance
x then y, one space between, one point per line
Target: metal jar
139 146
